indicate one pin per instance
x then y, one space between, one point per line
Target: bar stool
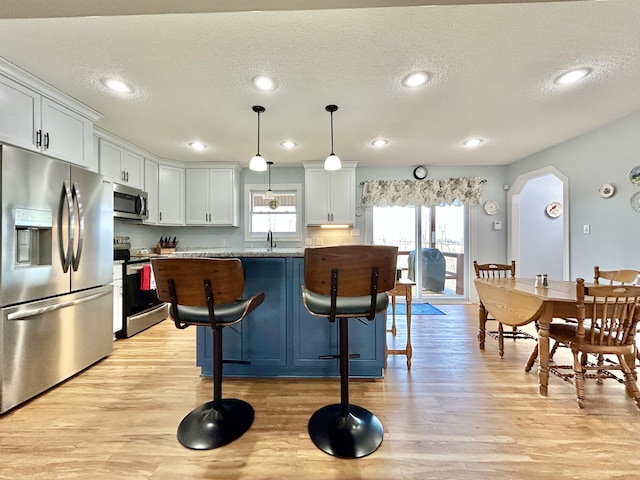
346 282
206 292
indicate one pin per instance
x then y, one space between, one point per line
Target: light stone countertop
241 252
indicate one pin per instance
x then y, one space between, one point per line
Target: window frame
249 189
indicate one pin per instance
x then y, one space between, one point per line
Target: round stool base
206 428
355 435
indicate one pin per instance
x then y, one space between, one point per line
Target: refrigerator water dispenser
33 237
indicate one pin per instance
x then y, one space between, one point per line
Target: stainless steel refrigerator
56 292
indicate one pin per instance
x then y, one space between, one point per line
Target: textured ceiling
491 67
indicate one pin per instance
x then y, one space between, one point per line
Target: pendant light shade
332 162
258 163
269 195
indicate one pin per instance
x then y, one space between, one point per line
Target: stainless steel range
140 305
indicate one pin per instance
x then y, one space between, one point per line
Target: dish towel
145 277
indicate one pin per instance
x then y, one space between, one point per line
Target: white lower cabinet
118 293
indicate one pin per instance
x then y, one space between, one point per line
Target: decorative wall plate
491 207
634 175
606 190
635 201
554 209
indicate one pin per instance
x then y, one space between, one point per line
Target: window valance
427 193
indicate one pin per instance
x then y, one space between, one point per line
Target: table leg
543 348
409 348
482 318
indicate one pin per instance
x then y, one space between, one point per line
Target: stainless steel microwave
129 203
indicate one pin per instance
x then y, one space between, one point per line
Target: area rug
416 309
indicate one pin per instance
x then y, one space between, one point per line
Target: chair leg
500 340
343 429
630 379
219 421
532 359
579 371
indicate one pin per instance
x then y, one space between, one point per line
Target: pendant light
269 195
332 162
258 163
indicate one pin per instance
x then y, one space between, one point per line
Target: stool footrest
330 357
237 362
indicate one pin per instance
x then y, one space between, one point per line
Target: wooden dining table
517 302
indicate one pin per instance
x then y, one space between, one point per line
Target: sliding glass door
431 245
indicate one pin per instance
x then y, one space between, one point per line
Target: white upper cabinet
212 196
330 196
170 195
151 187
121 165
33 121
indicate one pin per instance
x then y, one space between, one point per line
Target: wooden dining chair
207 292
607 318
499 270
617 277
345 282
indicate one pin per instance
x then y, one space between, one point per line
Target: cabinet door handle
46 140
39 138
160 215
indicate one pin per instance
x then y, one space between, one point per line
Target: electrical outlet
319 241
355 232
308 241
586 229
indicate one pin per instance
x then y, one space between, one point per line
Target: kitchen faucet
270 239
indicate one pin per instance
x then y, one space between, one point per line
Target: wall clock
420 172
491 207
554 209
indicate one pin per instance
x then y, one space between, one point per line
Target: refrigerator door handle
77 199
22 314
65 253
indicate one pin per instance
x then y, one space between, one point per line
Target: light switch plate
308 241
319 242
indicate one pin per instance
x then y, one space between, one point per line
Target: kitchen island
280 338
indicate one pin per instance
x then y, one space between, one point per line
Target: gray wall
604 155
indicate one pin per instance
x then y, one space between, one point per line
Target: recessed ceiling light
572 76
415 79
198 146
472 142
262 82
116 85
288 144
380 142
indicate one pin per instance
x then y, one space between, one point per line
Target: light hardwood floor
459 414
